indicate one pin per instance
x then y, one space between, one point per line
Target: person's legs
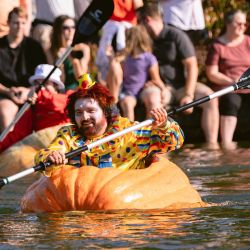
210 114
151 98
128 106
227 128
229 107
102 60
115 78
8 110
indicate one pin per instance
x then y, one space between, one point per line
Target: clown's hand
57 159
160 117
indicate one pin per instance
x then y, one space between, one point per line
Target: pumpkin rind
161 185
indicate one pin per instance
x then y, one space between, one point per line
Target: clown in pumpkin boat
127 172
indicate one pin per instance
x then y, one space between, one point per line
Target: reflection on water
193 156
221 177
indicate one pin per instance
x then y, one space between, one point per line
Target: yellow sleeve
167 138
60 143
159 139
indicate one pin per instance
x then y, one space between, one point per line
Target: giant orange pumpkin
161 185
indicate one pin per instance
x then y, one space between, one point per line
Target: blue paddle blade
92 20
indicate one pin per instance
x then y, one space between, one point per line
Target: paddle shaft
201 100
243 83
43 165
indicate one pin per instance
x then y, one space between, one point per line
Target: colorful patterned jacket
126 152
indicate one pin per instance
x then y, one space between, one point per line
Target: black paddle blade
244 81
92 20
245 74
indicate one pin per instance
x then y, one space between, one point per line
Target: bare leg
115 78
8 110
151 98
227 128
210 121
210 115
128 106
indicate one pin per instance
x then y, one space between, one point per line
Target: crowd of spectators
146 54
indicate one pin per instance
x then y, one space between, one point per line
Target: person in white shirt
186 15
46 12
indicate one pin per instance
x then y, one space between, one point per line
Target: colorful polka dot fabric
126 152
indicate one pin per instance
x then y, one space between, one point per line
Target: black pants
230 104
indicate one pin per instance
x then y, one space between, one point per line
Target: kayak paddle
243 83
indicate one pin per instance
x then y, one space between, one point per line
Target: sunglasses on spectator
65 27
241 24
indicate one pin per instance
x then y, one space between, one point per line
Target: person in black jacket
19 56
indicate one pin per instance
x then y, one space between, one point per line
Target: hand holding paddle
159 116
57 158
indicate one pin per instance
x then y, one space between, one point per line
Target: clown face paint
90 117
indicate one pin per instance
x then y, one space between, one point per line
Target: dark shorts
230 104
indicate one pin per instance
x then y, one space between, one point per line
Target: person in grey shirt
178 68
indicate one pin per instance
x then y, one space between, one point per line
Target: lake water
221 177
